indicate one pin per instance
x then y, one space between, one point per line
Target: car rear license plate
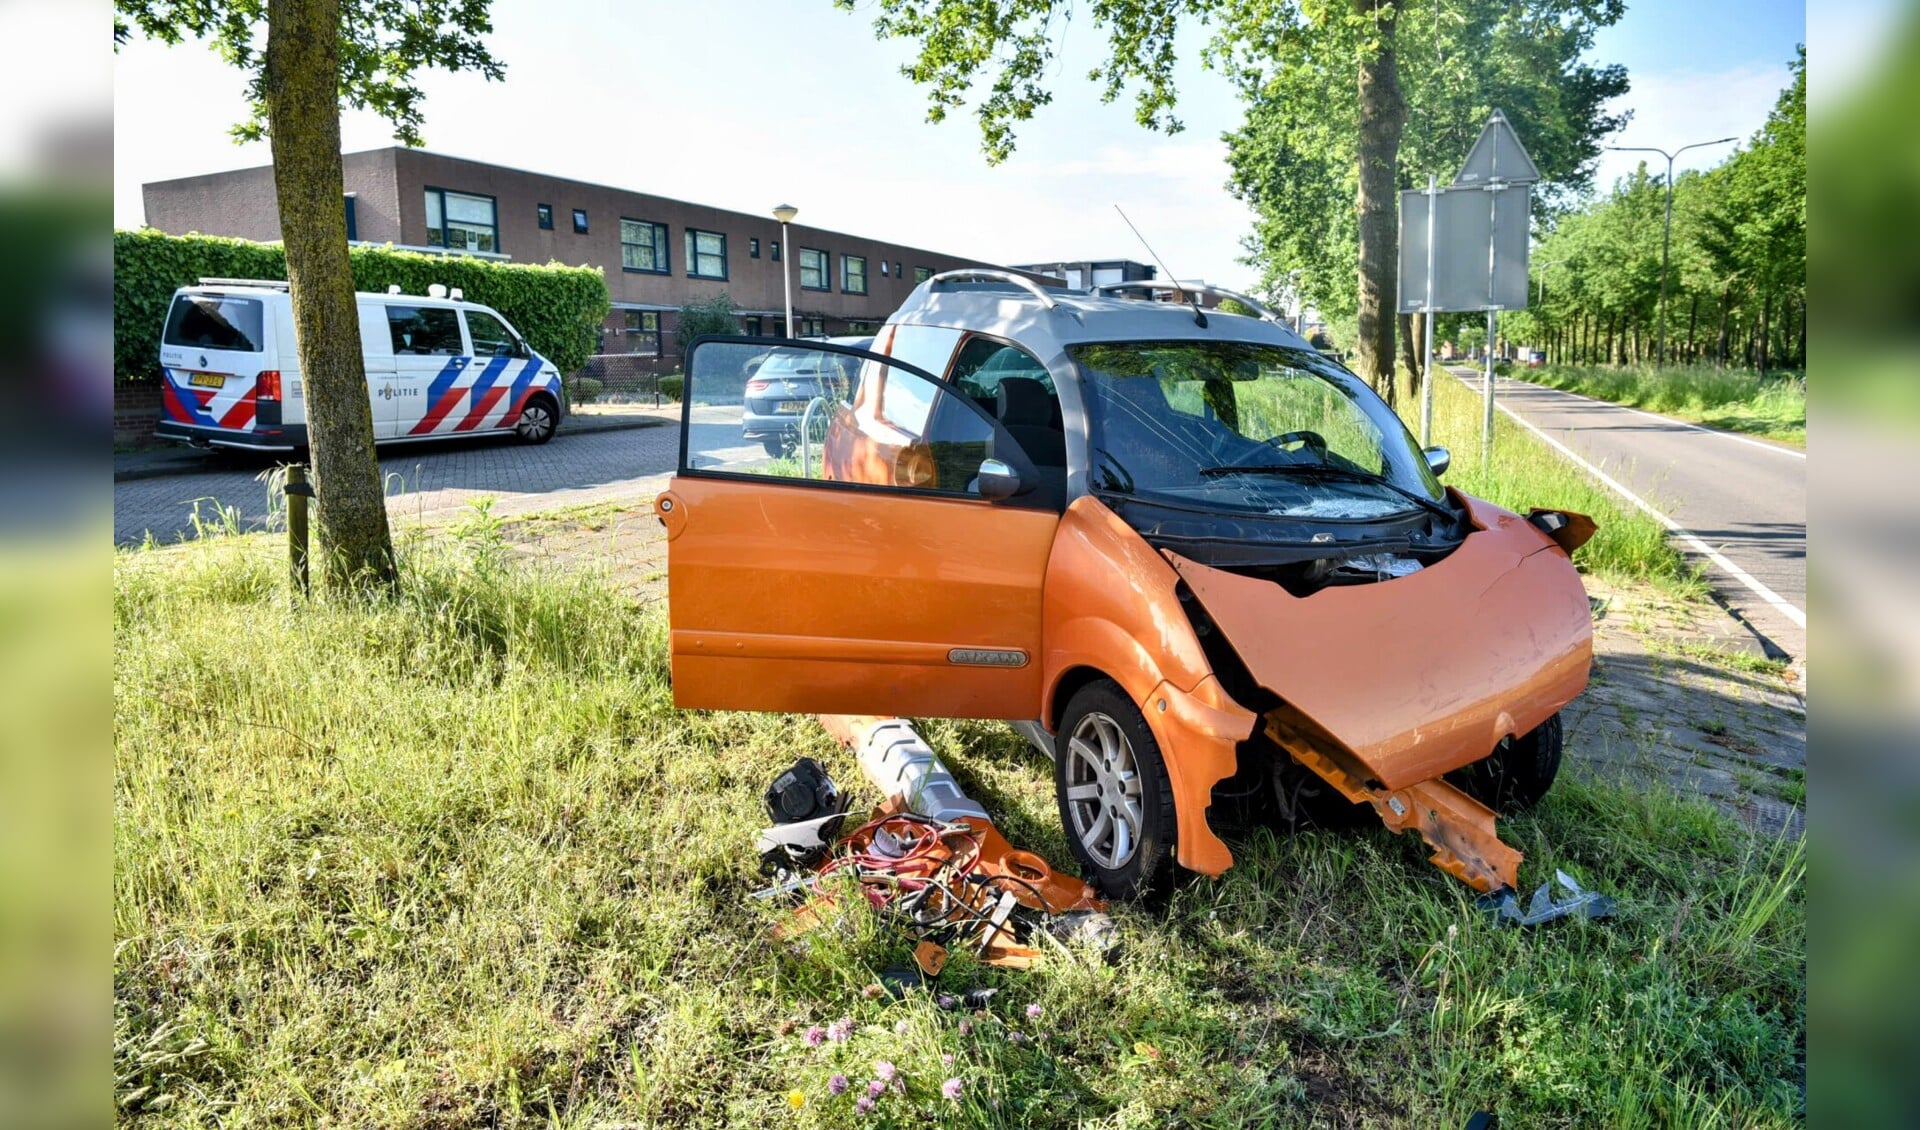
793 407
208 380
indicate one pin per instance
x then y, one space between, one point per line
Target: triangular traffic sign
1498 155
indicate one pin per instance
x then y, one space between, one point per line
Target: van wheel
537 421
1116 802
1518 774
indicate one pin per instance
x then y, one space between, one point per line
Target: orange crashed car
1201 565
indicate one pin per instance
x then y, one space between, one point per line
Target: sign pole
1426 364
1486 419
1493 261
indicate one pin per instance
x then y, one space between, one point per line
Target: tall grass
454 860
1772 405
1524 472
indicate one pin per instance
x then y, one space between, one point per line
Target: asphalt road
429 480
1743 499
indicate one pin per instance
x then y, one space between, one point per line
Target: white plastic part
456 294
437 290
393 288
900 763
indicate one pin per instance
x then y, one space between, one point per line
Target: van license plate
791 407
208 380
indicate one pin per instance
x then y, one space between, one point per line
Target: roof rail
1260 309
981 275
270 284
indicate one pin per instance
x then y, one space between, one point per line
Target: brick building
1093 272
658 253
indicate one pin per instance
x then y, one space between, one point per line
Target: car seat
1026 411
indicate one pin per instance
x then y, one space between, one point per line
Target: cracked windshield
1246 427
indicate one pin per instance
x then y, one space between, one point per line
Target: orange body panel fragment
1419 675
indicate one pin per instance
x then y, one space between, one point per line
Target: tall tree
316 55
1333 89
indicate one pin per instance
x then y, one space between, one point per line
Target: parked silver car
779 391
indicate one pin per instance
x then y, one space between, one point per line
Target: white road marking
1748 440
1686 536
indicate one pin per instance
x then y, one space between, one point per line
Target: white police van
436 366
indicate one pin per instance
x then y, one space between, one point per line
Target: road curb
194 462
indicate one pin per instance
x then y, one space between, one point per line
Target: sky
748 103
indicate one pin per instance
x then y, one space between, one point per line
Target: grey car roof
1068 317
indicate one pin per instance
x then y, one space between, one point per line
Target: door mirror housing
998 481
1438 460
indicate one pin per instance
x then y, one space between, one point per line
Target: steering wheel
1314 441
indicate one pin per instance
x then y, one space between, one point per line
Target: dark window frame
693 254
658 338
846 274
662 247
826 269
453 319
580 224
543 215
921 274
753 247
776 250
442 245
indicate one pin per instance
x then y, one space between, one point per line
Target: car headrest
1023 401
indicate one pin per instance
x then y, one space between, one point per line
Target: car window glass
431 330
983 364
212 321
491 337
809 413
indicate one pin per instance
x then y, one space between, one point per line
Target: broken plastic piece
1544 907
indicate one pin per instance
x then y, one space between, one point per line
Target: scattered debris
1544 907
929 858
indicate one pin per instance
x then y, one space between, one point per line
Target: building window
883 268
706 254
754 327
353 222
922 274
643 332
1074 277
545 214
776 250
898 271
853 274
813 327
579 221
643 246
813 269
461 221
753 249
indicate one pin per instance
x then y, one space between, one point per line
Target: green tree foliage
1332 86
559 309
704 316
303 58
1737 283
1295 160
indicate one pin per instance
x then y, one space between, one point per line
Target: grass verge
455 860
1525 473
1773 406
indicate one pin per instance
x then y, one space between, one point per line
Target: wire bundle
928 874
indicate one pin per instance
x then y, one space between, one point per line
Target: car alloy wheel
1103 790
536 422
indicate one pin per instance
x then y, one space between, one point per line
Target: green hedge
558 308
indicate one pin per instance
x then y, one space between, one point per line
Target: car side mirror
1438 460
997 481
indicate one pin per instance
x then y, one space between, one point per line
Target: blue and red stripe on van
187 405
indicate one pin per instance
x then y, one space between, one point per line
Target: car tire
1116 802
1517 775
776 446
539 419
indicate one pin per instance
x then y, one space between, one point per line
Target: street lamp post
785 214
1666 234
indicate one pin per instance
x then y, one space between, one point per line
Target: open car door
888 561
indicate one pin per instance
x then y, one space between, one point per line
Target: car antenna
1199 319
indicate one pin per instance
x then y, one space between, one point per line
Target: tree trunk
1726 312
1766 330
1410 351
1383 114
1693 321
302 89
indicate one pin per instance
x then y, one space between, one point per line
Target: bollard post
298 490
